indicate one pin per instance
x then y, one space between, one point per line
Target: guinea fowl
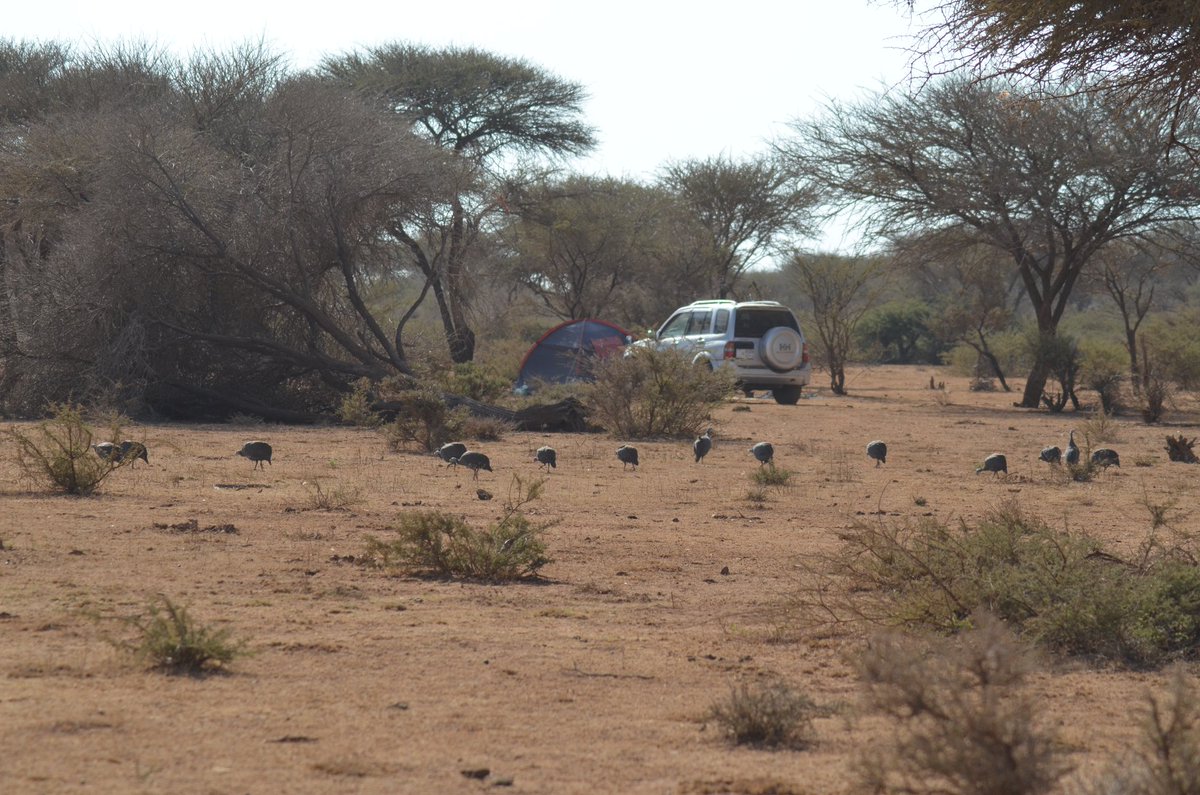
702 445
878 451
1106 457
994 463
1072 456
256 452
1051 455
546 457
627 455
474 462
450 450
764 452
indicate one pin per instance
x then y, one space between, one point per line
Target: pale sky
667 80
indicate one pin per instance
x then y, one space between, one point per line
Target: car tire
782 349
786 395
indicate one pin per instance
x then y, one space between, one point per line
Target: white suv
760 340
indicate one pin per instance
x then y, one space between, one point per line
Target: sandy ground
596 679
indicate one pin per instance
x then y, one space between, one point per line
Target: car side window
676 326
699 322
722 323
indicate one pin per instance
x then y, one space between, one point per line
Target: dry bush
770 715
485 429
1166 760
961 721
655 394
337 498
170 640
60 455
1100 429
440 544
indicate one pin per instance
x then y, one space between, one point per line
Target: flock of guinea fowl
457 454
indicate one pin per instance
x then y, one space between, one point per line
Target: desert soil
596 678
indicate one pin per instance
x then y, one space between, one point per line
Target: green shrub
771 476
424 419
355 408
1057 589
655 394
60 455
440 544
476 381
1104 369
771 715
170 640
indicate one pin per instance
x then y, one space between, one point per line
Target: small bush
961 721
439 544
1099 430
170 640
1166 759
655 394
476 381
770 715
337 498
424 419
60 453
485 429
355 408
771 476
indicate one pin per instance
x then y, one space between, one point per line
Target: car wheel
786 395
782 349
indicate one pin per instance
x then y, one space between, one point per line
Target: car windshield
753 322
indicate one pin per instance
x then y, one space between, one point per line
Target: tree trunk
1135 372
1031 398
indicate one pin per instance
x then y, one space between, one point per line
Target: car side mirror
651 333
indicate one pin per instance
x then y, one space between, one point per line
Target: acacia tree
744 207
841 290
489 112
1048 181
581 242
1149 47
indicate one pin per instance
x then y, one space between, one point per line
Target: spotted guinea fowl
256 452
627 455
1072 454
878 451
473 461
108 451
764 452
1106 457
1051 455
131 451
994 463
450 450
702 445
546 457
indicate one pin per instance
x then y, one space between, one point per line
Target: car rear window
756 322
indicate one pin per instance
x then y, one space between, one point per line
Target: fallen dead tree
565 416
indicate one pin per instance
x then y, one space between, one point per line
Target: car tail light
730 353
804 354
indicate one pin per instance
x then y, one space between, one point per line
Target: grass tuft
770 715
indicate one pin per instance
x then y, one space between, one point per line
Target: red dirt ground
595 680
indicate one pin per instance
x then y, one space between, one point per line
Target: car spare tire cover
782 349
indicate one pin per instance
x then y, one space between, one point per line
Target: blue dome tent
565 352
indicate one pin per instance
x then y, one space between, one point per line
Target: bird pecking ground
596 678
